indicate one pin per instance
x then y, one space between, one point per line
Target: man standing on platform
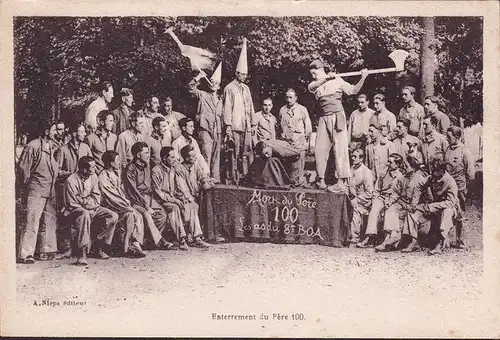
403 140
444 206
384 119
150 111
434 144
460 165
129 137
208 118
172 117
83 202
377 152
102 139
238 115
332 130
360 193
412 111
359 122
161 137
384 187
137 185
131 226
37 173
101 103
123 112
296 129
432 110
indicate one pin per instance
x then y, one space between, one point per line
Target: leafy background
60 60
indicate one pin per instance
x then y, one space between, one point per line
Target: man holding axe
328 90
332 130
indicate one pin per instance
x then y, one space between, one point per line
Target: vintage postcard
264 169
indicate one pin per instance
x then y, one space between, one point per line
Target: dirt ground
339 291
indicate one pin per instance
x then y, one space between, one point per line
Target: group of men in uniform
409 175
123 176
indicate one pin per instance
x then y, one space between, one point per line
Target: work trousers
396 217
40 222
294 159
418 219
326 137
374 215
96 224
243 151
192 219
153 223
130 228
358 212
210 150
174 219
462 197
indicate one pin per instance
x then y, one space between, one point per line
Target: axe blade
399 57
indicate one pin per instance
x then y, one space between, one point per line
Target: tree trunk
427 58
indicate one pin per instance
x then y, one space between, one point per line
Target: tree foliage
60 60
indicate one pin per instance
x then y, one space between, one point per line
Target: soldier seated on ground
266 171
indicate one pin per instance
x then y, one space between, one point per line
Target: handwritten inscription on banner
284 212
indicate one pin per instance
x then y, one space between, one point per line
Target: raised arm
193 86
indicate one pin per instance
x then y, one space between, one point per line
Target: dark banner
282 216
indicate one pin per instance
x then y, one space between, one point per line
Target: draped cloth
267 172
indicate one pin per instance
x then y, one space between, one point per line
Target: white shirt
93 110
181 142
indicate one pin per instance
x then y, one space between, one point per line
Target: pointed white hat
217 73
242 66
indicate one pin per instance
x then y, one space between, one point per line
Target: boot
413 246
46 257
320 183
190 239
200 243
366 242
183 245
165 245
438 249
65 255
82 259
135 251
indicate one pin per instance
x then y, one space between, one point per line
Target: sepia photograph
236 175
